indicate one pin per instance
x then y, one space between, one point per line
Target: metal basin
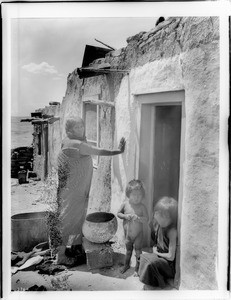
28 230
99 227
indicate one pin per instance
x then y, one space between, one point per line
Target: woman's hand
128 217
87 149
155 250
135 217
122 144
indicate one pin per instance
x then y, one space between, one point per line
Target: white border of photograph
120 9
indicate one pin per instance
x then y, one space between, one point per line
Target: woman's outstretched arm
87 149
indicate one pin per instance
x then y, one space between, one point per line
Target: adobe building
160 92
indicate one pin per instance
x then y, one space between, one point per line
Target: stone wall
178 54
53 142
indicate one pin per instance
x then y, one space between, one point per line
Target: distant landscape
21 132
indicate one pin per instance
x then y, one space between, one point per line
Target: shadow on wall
129 157
116 168
133 136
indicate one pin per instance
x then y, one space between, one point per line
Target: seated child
134 214
155 268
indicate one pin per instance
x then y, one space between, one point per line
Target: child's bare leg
129 248
138 252
138 245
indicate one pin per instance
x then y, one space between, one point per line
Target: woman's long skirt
75 174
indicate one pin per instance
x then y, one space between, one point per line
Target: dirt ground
27 198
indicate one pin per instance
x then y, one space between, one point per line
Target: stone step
98 255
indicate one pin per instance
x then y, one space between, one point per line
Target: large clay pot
28 230
99 227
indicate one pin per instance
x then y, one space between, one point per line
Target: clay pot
99 227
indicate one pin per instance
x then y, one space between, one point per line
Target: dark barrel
28 230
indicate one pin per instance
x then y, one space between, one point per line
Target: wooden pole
104 44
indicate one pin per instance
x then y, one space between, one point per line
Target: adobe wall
71 106
180 53
184 55
54 136
54 142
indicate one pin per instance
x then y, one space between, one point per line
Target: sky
45 50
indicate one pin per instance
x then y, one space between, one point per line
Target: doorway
161 154
166 148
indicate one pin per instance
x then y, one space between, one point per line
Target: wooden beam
39 121
98 102
105 44
50 120
104 71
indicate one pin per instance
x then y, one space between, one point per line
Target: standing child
158 266
134 214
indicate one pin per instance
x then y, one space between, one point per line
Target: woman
75 170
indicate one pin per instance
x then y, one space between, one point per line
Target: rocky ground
27 198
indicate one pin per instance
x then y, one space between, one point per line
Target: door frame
168 98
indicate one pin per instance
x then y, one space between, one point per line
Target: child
158 266
74 180
134 214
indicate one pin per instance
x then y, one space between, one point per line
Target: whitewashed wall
180 53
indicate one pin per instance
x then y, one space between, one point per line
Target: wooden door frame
168 98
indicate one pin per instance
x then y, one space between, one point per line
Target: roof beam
98 102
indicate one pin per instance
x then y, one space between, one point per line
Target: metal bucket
28 230
22 176
99 227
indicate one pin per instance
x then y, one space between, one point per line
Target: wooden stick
105 70
104 44
98 102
